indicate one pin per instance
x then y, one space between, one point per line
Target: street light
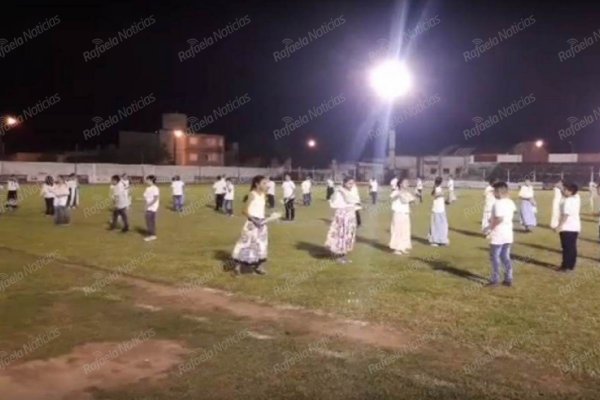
390 79
177 133
539 143
9 121
312 143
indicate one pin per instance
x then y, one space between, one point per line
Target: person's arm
564 215
154 200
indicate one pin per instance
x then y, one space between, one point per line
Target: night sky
334 65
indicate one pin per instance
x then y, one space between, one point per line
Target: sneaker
399 252
260 271
150 238
435 245
124 230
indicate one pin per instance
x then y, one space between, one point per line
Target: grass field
449 337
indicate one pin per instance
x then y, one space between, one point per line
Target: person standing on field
501 235
306 187
289 198
373 187
270 193
120 199
569 226
152 198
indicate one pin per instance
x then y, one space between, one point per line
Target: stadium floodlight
311 143
539 143
11 121
178 133
390 79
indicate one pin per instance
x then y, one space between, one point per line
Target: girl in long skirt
252 247
48 195
438 231
342 232
401 198
528 206
556 200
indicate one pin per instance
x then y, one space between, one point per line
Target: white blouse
256 207
526 192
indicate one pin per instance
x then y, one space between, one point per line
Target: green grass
544 329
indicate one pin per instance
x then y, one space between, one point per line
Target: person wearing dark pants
61 194
228 198
569 226
373 187
152 198
270 193
219 188
48 194
289 197
120 202
330 189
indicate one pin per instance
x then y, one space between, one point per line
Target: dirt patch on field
297 320
89 367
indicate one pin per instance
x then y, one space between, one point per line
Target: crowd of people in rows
62 194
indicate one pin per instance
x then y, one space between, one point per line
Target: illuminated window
193 157
194 141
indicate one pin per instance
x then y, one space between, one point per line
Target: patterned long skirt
438 230
252 247
528 217
342 232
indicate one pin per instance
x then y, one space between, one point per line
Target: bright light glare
311 143
178 133
390 79
11 121
539 143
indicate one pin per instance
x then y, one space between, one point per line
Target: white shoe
150 238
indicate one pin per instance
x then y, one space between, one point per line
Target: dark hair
255 181
347 179
115 178
436 183
571 187
500 186
49 180
151 178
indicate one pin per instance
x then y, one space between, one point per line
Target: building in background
175 143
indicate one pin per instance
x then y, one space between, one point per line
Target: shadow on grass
555 250
314 250
141 231
373 243
444 266
467 233
421 240
326 220
228 264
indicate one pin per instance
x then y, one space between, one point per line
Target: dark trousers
373 197
358 220
306 199
290 211
420 195
120 212
219 202
11 199
271 200
178 203
568 242
49 205
228 204
329 193
151 222
61 215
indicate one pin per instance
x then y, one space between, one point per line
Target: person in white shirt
593 195
306 186
556 201
356 197
373 188
120 203
419 190
342 231
252 247
528 206
451 192
501 235
289 197
438 231
330 188
489 200
569 226
73 185
177 191
219 188
152 198
270 193
12 196
61 196
47 193
400 230
229 196
394 183
127 186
